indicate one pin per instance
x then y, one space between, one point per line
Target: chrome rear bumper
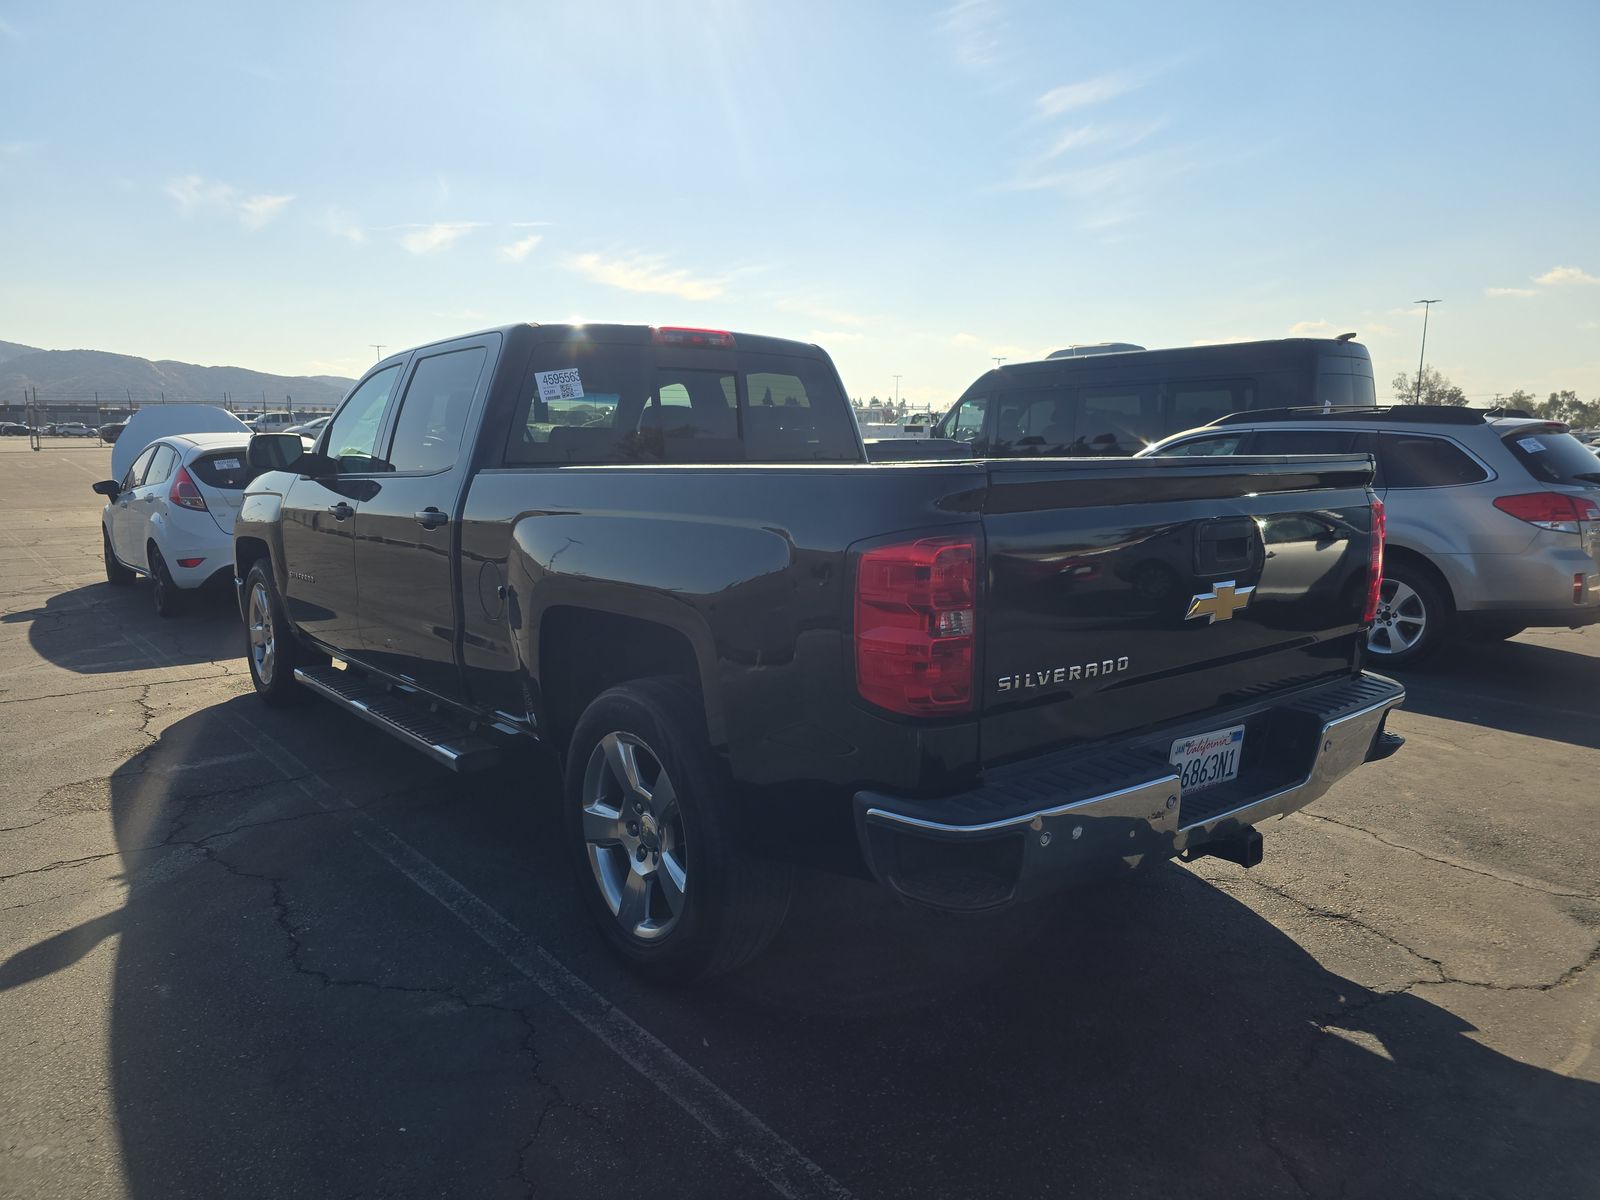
1110 809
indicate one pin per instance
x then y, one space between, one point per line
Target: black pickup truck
662 552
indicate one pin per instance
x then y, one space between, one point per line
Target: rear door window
1034 421
225 470
1554 457
1407 460
1116 420
1190 405
1199 447
1301 441
433 415
160 468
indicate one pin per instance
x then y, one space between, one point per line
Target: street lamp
1426 305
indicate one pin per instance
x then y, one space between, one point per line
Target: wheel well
1420 562
246 551
583 652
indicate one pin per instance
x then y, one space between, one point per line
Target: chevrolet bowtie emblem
1220 603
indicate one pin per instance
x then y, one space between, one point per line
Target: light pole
897 391
1422 354
378 346
998 359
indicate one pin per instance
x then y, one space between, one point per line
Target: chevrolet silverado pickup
663 553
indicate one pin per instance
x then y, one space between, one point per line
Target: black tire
168 599
732 903
272 661
1410 593
116 574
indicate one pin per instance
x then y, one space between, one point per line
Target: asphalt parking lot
257 953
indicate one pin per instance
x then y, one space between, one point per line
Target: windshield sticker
227 464
1531 445
559 385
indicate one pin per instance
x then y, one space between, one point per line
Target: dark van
1118 403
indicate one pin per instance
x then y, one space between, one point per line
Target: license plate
1207 759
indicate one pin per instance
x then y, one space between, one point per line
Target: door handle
341 511
431 518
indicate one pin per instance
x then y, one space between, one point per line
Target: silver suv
1493 521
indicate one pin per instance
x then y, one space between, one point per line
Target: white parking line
749 1139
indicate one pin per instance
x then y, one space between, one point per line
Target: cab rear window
226 469
1554 457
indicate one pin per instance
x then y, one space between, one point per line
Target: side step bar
442 738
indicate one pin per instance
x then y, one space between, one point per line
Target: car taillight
1380 532
915 617
1550 510
183 492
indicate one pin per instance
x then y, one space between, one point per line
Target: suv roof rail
1500 410
1432 414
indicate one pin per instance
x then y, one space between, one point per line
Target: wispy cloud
1558 276
821 312
1103 137
195 193
1316 329
974 29
520 249
437 237
1509 291
1086 93
645 273
256 211
8 30
963 339
342 225
827 337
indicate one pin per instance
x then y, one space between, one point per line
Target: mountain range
81 376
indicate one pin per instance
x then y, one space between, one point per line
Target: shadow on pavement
207 630
291 1016
1519 687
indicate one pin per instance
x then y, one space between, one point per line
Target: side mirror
107 488
275 451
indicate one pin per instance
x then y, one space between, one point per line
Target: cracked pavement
211 985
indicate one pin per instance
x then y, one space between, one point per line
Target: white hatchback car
171 514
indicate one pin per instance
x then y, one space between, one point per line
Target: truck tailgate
1128 593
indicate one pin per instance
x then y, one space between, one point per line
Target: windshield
1553 457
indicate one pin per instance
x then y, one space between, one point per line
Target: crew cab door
405 532
318 525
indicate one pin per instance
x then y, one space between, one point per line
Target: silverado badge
1220 603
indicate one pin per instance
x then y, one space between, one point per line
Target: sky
917 188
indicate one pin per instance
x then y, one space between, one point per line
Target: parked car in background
1117 401
72 429
170 516
14 429
309 428
112 430
1493 522
663 553
274 422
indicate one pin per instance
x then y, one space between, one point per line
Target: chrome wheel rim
1401 621
263 642
633 833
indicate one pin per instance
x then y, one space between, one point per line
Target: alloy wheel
633 831
1401 621
263 641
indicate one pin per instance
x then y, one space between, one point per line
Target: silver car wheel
263 642
633 830
1401 621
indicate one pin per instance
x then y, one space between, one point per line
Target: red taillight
190 562
915 610
1380 531
1550 510
183 492
683 335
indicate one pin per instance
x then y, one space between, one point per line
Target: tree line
1561 406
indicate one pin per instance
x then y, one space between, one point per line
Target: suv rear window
1553 457
592 404
225 469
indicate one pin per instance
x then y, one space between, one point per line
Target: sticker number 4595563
559 385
